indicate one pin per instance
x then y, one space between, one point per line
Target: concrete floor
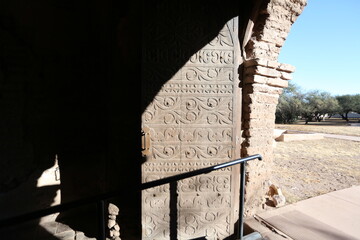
251 224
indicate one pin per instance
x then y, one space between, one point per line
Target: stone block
263 71
278 132
262 45
259 124
286 76
114 233
277 82
261 62
265 98
288 137
272 64
286 68
117 227
111 223
113 210
258 133
255 79
266 89
279 200
250 63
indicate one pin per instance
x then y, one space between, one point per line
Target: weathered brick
255 79
269 72
266 98
278 82
286 76
266 89
265 81
286 68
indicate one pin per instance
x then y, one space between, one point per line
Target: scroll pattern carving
191 152
214 224
191 126
191 135
218 89
217 57
224 38
189 110
206 183
202 74
156 225
171 167
204 201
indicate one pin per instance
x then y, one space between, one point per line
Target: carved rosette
191 126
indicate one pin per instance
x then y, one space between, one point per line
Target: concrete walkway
329 135
332 216
343 137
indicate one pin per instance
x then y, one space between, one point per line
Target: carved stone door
191 119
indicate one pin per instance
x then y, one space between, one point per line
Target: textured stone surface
111 223
113 209
193 122
288 137
263 82
279 200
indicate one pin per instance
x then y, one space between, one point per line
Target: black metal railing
100 199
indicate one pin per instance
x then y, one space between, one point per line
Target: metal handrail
99 199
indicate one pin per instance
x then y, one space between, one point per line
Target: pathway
344 137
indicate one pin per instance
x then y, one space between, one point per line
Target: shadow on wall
173 31
70 84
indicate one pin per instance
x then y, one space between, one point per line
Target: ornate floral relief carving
206 183
157 201
191 126
225 38
191 135
191 152
197 89
165 152
205 74
206 152
212 224
169 167
193 110
211 56
155 225
208 200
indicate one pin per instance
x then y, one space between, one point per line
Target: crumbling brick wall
263 81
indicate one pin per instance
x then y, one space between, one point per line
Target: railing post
242 194
100 199
173 211
101 219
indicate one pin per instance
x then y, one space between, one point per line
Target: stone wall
263 81
192 120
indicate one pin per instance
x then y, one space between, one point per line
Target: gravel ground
304 169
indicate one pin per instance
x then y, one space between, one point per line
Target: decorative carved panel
191 108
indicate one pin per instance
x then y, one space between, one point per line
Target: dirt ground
333 126
304 169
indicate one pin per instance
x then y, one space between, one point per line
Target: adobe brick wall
263 81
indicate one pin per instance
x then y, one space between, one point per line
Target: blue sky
324 46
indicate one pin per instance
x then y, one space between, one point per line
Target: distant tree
317 104
348 103
290 104
357 105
